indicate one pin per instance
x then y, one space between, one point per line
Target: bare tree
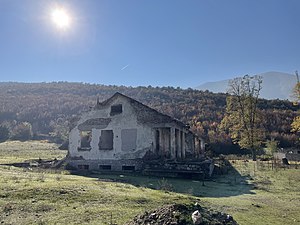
242 119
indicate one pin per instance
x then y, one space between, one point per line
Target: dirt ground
178 214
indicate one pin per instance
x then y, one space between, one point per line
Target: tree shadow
230 184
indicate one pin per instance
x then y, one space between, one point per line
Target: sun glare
61 18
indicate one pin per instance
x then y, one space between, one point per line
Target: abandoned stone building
122 134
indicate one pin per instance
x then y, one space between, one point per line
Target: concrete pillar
178 137
196 147
193 146
161 142
183 145
202 144
167 143
173 147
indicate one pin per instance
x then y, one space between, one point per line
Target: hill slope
50 108
275 85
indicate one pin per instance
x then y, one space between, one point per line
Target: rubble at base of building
178 214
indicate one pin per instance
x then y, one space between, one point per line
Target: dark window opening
116 109
85 140
128 137
106 140
128 168
157 141
104 167
83 167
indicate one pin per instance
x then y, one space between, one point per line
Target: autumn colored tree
51 107
296 122
242 119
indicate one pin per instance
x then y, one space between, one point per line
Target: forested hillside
41 109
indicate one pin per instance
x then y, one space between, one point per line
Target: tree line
48 110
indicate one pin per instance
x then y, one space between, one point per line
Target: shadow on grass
230 184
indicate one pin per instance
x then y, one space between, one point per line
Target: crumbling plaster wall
125 120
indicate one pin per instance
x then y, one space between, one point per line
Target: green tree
242 119
271 146
4 133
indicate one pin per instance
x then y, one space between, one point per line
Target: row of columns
197 147
171 143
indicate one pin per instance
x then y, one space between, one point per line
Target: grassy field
253 193
16 151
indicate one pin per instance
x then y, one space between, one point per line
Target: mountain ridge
276 85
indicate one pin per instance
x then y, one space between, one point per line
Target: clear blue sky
148 42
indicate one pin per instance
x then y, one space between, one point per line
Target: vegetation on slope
39 109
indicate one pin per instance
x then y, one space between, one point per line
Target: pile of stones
178 214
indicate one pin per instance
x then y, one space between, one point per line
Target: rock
229 218
153 216
196 217
62 192
256 205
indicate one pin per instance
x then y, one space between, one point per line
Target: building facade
123 134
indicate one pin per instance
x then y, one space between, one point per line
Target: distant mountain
276 85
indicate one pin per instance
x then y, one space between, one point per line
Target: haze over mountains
276 85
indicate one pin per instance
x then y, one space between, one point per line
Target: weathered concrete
108 165
97 123
124 129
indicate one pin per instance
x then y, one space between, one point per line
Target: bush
4 133
22 131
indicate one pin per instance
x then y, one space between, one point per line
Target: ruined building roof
145 114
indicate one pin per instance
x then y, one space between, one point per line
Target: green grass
16 151
56 197
28 198
252 193
275 197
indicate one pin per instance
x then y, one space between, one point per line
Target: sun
61 18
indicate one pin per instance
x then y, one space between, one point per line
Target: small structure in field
122 134
291 154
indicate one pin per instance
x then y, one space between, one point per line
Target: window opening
85 140
128 168
116 109
106 140
128 138
83 167
105 167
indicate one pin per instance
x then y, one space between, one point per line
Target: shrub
22 131
4 133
